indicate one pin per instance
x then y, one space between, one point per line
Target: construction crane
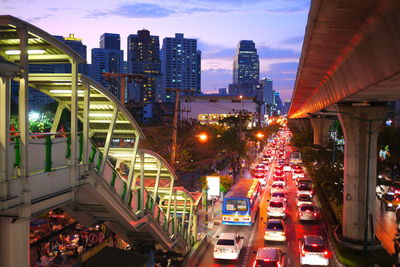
121 79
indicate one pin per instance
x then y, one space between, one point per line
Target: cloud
38 18
293 40
135 10
143 10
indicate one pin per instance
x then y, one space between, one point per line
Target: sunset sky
276 26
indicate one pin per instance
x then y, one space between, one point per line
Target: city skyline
276 27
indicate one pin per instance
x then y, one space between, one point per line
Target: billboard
213 185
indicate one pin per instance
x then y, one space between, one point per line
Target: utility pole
175 127
175 122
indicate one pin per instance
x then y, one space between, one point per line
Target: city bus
241 203
295 157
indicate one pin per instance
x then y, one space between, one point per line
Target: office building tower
144 58
107 60
246 65
110 41
266 85
181 63
76 45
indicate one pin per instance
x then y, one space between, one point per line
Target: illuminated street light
260 135
203 137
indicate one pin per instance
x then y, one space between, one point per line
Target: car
260 167
279 179
313 251
390 201
228 246
277 208
278 167
279 195
275 230
269 257
287 168
304 187
303 199
278 173
277 187
259 174
296 174
308 212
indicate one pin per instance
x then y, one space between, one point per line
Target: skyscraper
110 41
181 63
246 65
77 46
108 60
144 58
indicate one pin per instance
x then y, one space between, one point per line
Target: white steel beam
131 174
86 126
23 101
57 117
5 88
108 141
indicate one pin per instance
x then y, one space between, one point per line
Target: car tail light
315 214
326 253
282 234
303 253
215 250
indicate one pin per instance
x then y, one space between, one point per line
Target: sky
276 26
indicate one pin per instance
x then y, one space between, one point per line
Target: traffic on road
270 217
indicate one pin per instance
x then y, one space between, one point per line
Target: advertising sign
213 185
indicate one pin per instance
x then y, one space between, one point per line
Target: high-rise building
108 60
266 84
144 58
181 65
246 65
110 41
76 45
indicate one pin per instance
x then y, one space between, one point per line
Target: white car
277 208
287 168
303 199
279 180
279 195
308 212
275 230
277 187
304 187
228 246
313 251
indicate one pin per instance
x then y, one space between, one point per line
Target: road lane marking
248 247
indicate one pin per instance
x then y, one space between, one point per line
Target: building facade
181 66
110 41
209 109
108 59
144 58
246 65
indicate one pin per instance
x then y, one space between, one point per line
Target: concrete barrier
195 255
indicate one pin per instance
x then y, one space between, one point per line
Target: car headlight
390 205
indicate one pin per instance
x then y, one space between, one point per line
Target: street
254 235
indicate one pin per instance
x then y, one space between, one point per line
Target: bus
295 157
241 203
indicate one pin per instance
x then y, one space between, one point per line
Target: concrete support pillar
360 126
14 239
320 128
5 92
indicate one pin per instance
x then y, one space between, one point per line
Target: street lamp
202 137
